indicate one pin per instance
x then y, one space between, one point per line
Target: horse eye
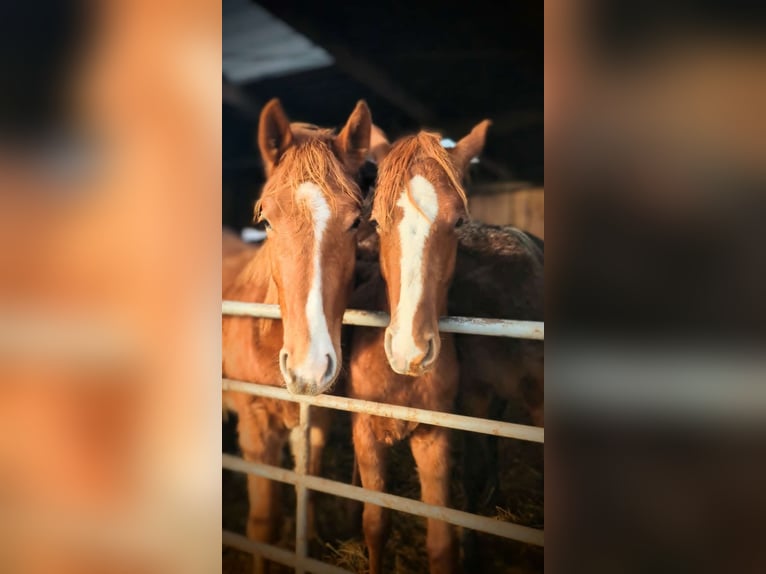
259 218
356 223
262 219
459 222
374 224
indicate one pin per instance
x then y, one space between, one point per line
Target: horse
310 206
498 273
417 206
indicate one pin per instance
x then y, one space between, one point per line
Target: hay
348 554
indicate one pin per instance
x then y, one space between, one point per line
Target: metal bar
301 495
448 420
457 517
464 325
302 481
278 554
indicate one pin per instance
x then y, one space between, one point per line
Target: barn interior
437 66
432 65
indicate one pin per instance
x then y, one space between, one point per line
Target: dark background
434 65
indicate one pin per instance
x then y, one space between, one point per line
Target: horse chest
250 350
416 392
390 431
372 379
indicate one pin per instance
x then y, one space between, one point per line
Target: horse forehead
315 206
312 195
430 168
426 201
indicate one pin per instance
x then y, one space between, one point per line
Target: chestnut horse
311 206
417 207
498 274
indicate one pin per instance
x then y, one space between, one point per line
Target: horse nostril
429 352
387 343
283 361
330 367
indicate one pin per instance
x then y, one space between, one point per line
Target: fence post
301 493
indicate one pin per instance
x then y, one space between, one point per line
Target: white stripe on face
414 229
314 365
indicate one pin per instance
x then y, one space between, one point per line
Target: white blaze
320 345
414 229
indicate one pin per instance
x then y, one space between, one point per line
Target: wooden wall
509 205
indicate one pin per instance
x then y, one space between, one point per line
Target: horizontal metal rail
299 559
449 420
400 503
279 555
463 325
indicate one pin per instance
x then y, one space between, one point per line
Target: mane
311 159
395 173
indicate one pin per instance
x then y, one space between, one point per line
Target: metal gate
304 482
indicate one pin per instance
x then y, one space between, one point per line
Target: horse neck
254 282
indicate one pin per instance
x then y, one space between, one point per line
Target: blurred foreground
656 172
109 335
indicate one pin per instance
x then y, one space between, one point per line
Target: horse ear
274 134
470 146
353 142
379 144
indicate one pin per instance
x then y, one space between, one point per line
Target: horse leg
319 427
533 382
532 388
371 458
431 451
261 444
479 469
352 508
